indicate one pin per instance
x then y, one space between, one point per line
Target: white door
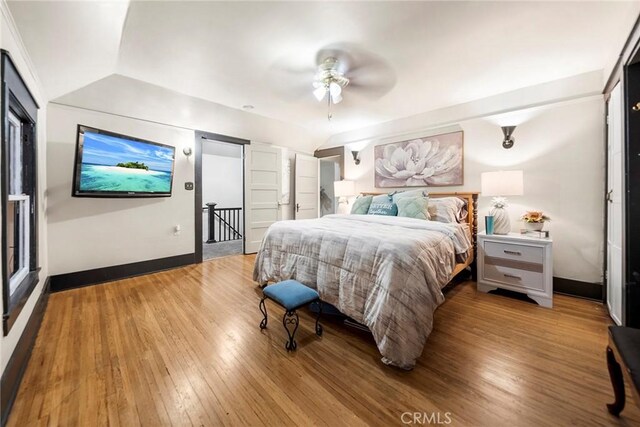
263 175
306 187
615 186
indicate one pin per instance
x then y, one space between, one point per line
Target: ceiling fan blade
289 82
371 86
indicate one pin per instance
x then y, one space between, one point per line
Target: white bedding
384 272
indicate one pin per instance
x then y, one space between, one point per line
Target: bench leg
318 325
290 320
617 381
263 309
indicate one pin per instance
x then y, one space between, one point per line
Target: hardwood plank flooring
183 347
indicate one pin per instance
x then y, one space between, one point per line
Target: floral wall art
430 161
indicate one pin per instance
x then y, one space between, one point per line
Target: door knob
608 197
297 207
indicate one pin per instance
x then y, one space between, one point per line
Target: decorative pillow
383 205
411 193
361 205
447 209
414 207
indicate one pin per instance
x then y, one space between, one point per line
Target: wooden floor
183 347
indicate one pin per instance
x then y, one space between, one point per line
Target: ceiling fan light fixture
329 81
319 93
334 89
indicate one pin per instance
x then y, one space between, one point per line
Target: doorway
331 170
329 173
219 196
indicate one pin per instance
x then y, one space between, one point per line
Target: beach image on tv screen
110 163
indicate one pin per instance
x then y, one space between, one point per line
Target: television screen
112 165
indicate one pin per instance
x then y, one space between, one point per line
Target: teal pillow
383 205
361 205
410 193
414 207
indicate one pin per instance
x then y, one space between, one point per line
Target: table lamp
501 184
342 190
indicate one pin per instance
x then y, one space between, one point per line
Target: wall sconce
356 160
187 151
508 139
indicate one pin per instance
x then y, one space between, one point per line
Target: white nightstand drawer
533 280
512 251
516 262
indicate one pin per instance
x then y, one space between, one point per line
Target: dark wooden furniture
291 295
623 361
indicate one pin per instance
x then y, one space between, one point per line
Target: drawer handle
512 252
513 276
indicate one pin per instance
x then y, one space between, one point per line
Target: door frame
200 137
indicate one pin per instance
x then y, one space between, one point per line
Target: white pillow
447 209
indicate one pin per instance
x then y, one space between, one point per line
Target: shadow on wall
67 207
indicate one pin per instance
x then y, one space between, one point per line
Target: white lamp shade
502 183
344 188
319 93
335 89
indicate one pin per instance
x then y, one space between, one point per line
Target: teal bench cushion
290 294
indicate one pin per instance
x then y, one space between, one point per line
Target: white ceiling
431 54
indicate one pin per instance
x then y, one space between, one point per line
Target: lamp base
501 222
343 206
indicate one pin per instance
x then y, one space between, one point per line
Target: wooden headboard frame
471 198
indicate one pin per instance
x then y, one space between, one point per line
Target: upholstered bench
291 295
623 349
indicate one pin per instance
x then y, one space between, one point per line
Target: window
17 210
19 193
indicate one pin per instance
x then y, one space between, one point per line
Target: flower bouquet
534 220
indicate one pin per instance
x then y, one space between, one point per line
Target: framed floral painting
433 161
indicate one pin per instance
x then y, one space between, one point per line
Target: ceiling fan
341 68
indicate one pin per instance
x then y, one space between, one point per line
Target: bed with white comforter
384 272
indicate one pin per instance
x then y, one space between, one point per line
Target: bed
384 272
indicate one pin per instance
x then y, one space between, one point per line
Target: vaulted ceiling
404 58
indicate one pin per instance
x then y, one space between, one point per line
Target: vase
534 226
501 223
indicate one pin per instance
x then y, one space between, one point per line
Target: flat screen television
113 165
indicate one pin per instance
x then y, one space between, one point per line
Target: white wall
10 41
560 148
156 106
222 180
134 98
87 233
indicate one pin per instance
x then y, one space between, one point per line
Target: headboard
471 198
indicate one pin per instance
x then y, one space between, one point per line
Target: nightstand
518 263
